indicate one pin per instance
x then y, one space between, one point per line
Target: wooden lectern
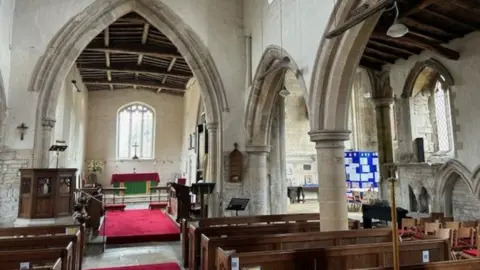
46 193
180 201
200 190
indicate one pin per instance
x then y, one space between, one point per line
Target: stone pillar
330 146
212 175
383 107
258 179
47 126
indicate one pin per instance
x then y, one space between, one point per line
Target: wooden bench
238 220
337 257
473 264
279 242
46 258
20 236
194 234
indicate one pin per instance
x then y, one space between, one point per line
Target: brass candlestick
396 261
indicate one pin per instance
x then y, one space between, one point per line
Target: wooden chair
447 234
469 223
464 238
452 225
409 227
431 227
473 252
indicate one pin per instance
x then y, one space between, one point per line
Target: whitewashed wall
102 126
6 21
191 104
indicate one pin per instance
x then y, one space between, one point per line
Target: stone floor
163 252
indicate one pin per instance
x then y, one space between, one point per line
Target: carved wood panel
236 165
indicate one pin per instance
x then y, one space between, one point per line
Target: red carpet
163 266
136 226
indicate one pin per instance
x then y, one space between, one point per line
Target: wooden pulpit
200 190
46 193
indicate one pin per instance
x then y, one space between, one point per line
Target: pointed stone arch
336 63
3 109
74 36
262 97
417 70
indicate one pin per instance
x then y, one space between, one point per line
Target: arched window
431 116
135 132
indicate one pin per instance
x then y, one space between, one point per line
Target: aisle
139 225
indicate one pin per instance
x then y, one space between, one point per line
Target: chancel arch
277 88
3 109
81 30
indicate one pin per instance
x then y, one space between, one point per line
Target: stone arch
335 65
417 70
263 93
451 172
3 109
424 200
448 173
74 36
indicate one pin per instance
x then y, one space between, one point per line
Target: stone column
383 107
330 146
258 170
212 170
47 126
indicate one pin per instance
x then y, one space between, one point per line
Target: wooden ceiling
131 53
431 23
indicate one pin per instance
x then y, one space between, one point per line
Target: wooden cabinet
46 193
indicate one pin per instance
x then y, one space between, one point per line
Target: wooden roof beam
451 20
468 5
138 83
106 40
148 50
367 64
132 68
424 44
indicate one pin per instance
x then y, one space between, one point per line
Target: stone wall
10 162
465 205
6 21
102 128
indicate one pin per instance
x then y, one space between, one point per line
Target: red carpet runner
163 266
136 226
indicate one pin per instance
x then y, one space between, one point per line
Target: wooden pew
45 242
337 257
12 259
279 242
194 234
7 233
241 220
473 264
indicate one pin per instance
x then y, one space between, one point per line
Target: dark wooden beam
394 48
468 5
384 55
376 60
136 49
367 64
424 44
360 17
131 68
138 83
421 5
431 29
451 20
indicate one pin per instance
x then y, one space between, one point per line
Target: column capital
48 123
257 148
326 135
382 102
212 126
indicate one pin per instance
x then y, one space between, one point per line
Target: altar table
135 183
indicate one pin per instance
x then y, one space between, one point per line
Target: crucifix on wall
135 147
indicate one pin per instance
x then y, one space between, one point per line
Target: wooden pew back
6 233
338 257
45 242
12 259
473 264
288 241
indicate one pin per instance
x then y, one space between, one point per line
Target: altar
135 183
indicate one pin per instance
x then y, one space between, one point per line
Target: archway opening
137 55
424 201
413 200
